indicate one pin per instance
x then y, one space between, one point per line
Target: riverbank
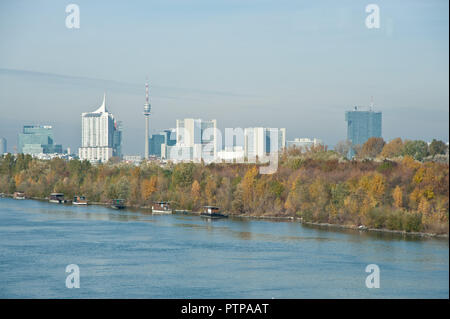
379 230
355 228
348 227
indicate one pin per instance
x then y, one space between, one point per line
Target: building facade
362 125
304 143
37 139
196 140
101 135
156 141
260 141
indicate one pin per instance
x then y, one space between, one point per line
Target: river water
133 254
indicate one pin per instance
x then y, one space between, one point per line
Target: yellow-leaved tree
397 194
148 187
195 191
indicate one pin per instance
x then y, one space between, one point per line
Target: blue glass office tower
362 125
167 137
36 139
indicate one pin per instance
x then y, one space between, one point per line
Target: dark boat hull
213 215
117 206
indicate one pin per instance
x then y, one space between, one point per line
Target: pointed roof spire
102 108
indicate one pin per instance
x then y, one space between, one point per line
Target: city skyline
302 69
293 139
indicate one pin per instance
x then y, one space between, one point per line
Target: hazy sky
293 64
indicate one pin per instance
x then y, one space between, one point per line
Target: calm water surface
129 254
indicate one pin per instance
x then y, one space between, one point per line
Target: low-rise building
304 143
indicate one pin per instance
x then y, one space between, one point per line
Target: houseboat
19 195
212 212
57 198
79 200
118 203
161 208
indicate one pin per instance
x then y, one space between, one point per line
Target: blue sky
293 64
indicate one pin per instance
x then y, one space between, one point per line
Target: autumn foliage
317 186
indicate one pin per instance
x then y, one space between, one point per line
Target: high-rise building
3 145
260 141
362 125
117 139
37 139
101 135
196 140
156 141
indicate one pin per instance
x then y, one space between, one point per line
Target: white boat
79 200
19 195
161 208
57 198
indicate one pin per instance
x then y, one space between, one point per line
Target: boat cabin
212 212
56 198
161 206
57 195
19 195
80 200
211 209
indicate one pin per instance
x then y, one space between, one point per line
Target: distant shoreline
290 218
350 227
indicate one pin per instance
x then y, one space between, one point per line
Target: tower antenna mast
147 108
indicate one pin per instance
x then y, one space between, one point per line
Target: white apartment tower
260 141
100 135
196 140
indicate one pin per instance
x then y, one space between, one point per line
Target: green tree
416 149
123 188
183 174
437 147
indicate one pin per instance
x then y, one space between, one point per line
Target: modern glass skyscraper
166 137
260 141
101 135
37 139
200 136
362 125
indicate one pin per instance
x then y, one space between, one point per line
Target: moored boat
161 208
19 195
79 200
57 198
118 203
212 212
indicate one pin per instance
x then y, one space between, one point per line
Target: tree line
316 184
376 147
